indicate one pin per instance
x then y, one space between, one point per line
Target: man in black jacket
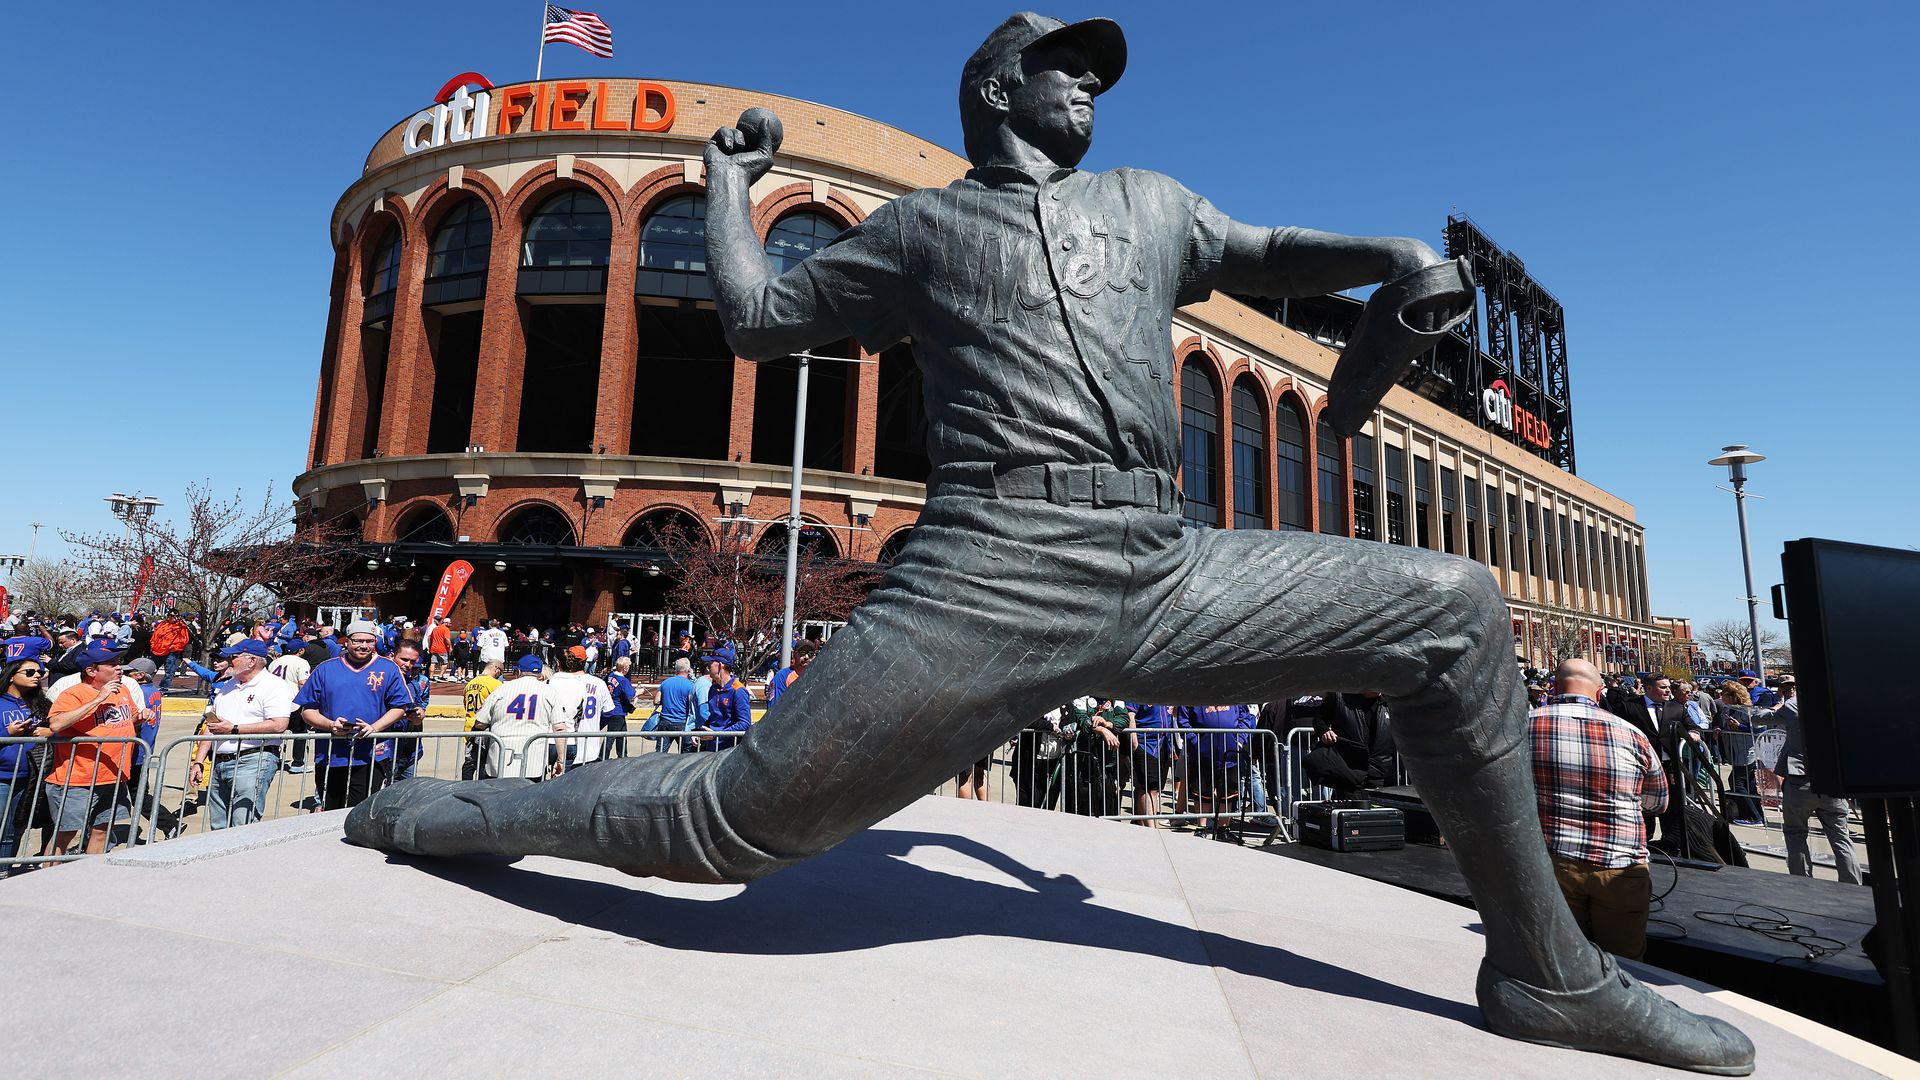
1353 749
1665 724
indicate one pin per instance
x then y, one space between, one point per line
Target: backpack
168 638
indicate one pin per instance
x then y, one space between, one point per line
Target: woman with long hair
1736 716
23 714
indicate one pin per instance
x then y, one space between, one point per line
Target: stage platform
1827 976
955 938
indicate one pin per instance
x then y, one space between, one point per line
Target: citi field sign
1496 405
469 108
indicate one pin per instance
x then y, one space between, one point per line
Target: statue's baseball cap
1100 39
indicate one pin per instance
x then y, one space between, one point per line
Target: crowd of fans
366 688
83 698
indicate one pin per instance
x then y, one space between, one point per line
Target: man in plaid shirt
1594 775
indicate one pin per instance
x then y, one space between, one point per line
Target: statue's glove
1403 318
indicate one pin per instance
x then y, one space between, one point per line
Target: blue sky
1720 194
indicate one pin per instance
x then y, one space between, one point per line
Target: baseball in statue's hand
749 147
762 129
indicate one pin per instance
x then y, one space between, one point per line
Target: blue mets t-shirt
340 691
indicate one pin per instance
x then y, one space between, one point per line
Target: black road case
1351 826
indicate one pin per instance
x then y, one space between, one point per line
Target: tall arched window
1331 451
673 250
1249 456
797 236
813 539
539 526
383 270
424 525
383 273
1290 455
572 228
1199 444
890 551
659 530
463 243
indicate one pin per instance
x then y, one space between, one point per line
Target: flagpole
541 57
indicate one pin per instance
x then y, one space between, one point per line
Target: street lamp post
793 521
1736 458
132 510
135 511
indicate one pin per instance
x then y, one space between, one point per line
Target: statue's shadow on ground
864 894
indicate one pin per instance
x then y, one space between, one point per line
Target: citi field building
523 368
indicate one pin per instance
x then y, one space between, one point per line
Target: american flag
582 28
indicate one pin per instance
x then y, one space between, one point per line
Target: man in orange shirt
439 648
87 783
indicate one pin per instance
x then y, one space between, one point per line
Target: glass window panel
384 270
1249 457
1396 464
1365 527
464 242
1199 445
1290 457
675 236
1328 449
572 228
797 236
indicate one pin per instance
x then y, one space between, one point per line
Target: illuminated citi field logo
1497 405
469 107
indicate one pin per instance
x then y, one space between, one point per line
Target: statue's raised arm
765 316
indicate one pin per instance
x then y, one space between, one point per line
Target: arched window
797 236
895 544
656 530
1199 444
1290 457
424 525
673 250
813 539
539 526
572 228
383 270
463 243
1331 450
1249 456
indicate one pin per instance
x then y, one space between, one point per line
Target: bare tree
1734 641
51 588
227 556
1565 639
742 594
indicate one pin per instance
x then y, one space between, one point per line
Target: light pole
1736 458
133 510
33 545
136 511
793 520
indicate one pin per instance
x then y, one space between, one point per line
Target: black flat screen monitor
1853 612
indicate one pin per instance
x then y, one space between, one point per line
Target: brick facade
841 166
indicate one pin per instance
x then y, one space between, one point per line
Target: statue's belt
1096 486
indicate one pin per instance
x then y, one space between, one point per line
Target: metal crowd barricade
39 802
176 803
1185 781
579 748
1747 762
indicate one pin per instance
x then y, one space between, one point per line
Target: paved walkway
952 939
